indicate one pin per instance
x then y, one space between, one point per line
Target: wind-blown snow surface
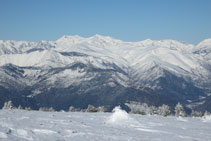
20 125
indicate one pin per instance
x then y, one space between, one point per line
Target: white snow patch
3 135
23 134
119 116
207 118
111 84
22 118
150 130
185 137
181 119
49 126
44 131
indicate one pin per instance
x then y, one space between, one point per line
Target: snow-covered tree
196 114
20 107
179 110
71 109
51 109
153 110
207 113
91 108
102 109
138 108
83 110
164 110
44 109
28 108
8 105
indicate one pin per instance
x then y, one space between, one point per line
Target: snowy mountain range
101 70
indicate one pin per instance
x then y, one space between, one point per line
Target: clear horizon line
87 37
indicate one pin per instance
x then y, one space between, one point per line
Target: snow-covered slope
20 125
170 54
170 67
135 58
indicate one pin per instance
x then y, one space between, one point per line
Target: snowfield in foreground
20 125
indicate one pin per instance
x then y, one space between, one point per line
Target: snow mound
207 118
181 119
119 116
3 135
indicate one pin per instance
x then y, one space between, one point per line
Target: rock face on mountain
103 71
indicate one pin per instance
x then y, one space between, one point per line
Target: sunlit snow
20 125
134 58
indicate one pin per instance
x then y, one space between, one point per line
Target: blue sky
129 20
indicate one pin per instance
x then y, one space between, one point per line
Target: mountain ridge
72 65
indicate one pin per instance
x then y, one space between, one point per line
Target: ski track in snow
20 125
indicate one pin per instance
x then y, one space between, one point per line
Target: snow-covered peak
100 37
170 44
70 39
128 63
6 43
15 47
205 43
170 54
78 39
146 41
99 40
203 48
